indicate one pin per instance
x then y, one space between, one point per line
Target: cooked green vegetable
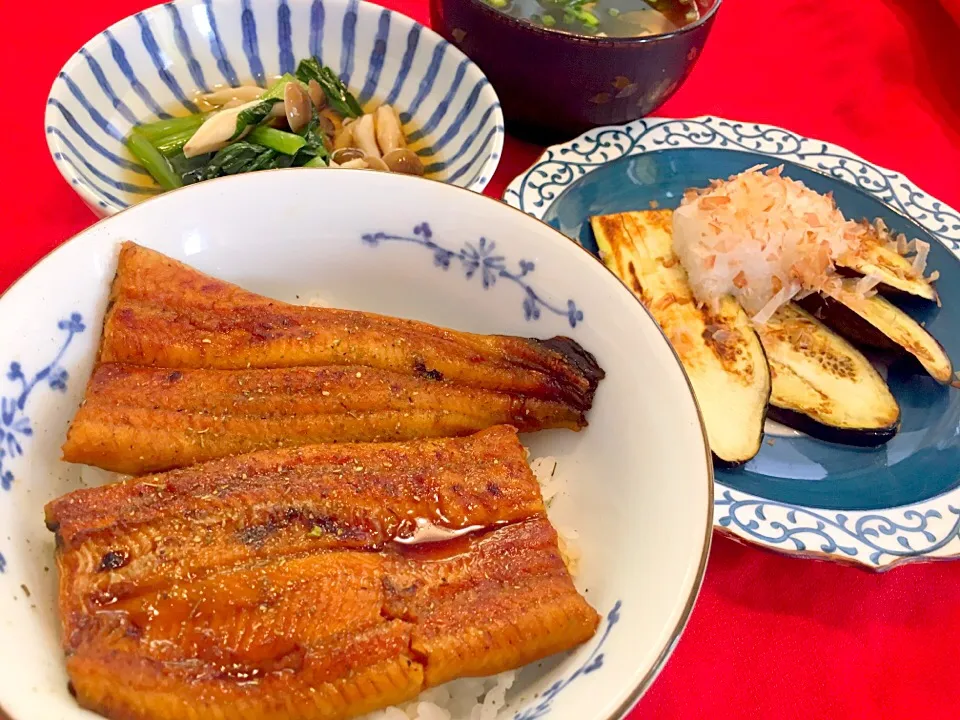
186 167
160 129
240 137
153 160
240 157
169 136
287 143
275 91
254 115
336 92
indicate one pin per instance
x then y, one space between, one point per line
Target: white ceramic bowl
639 485
153 62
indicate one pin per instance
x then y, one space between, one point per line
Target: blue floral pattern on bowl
481 258
15 426
876 538
593 662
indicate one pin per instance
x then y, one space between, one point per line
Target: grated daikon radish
762 238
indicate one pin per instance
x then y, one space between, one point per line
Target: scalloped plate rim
888 521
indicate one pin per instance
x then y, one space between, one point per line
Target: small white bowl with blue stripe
149 65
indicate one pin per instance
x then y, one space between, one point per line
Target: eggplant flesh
896 272
822 385
719 350
876 322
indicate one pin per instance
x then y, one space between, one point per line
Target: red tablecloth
771 637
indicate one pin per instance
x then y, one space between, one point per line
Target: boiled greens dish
309 119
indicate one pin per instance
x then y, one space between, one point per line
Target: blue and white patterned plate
150 64
875 507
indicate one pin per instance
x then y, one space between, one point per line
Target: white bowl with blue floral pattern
637 482
150 65
872 507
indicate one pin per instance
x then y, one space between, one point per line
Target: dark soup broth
604 18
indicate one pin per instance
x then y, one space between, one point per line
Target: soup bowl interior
637 485
152 64
554 84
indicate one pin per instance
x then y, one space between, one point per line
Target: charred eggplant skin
838 317
858 437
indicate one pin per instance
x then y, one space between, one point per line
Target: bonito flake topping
764 239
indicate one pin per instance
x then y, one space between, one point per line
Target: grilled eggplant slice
836 315
719 350
876 322
824 386
897 274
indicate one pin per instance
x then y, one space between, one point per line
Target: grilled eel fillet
163 313
284 584
139 419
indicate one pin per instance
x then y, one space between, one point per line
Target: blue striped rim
104 84
120 58
413 39
457 125
94 114
94 145
441 110
467 142
89 183
482 149
248 23
99 174
183 45
426 82
377 56
217 48
285 38
161 63
317 14
349 37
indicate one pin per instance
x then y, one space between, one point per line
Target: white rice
463 699
316 301
94 477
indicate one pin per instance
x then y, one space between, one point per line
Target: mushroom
364 135
356 164
375 163
215 132
231 95
389 134
344 138
317 96
403 161
330 122
296 106
344 155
